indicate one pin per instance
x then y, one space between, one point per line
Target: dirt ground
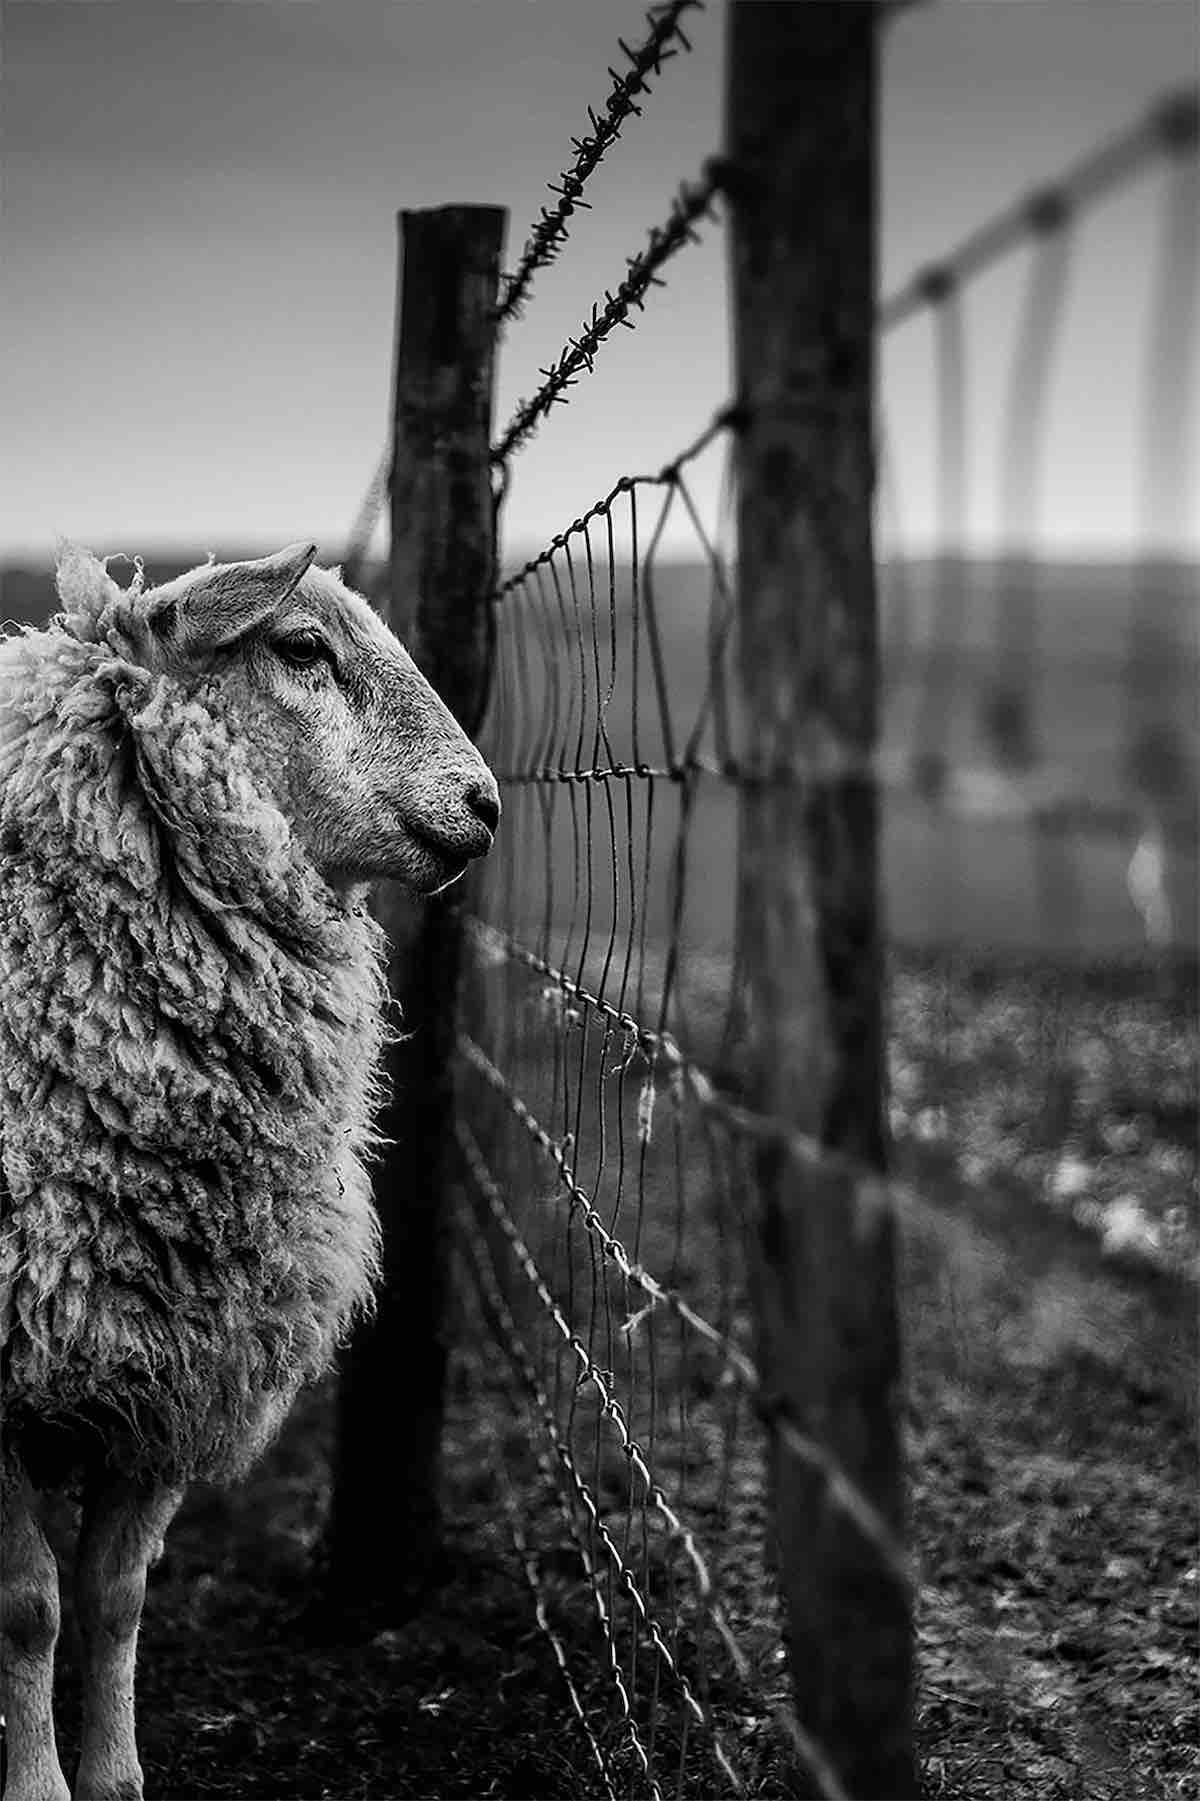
1051 1434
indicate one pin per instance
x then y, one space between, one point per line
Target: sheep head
371 768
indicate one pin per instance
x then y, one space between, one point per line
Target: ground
1051 1437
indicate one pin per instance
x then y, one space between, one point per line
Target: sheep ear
213 607
81 578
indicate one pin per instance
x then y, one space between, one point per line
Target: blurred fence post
385 1521
801 148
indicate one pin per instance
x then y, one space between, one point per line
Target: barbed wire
577 355
548 235
734 1358
693 202
610 1409
530 1569
870 1189
589 1370
487 1288
1171 125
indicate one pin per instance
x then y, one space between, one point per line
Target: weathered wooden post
384 1527
801 144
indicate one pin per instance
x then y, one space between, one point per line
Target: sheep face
368 764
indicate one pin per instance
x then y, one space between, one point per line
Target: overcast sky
199 252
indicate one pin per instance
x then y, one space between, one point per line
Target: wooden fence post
801 145
385 1521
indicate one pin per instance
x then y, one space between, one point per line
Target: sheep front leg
29 1617
120 1535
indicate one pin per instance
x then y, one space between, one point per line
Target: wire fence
606 1152
607 1256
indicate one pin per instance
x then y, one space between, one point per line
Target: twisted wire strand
578 355
813 1753
548 235
611 1409
488 1289
871 1191
693 202
530 1569
489 1190
657 1293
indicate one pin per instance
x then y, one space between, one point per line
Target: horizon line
173 550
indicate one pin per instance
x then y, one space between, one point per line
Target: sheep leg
29 1618
120 1536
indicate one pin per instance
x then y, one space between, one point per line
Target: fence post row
801 148
384 1540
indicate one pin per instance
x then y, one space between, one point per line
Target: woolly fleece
191 1022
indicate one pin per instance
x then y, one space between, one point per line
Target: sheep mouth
449 861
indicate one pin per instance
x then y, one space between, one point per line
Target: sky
197 222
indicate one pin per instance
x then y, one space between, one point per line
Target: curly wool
191 1023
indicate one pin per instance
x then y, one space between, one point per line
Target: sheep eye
303 650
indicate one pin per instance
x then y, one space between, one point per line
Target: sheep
198 782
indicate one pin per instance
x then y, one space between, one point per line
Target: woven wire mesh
607 1197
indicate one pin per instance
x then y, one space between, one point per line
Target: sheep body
197 783
190 1031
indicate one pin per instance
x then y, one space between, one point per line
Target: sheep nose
484 801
